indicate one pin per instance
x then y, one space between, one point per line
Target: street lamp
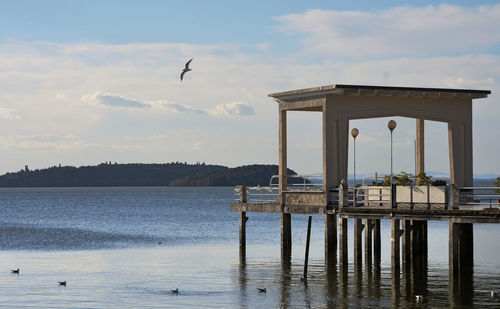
354 134
391 125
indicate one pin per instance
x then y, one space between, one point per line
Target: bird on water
186 69
176 291
62 283
262 290
15 271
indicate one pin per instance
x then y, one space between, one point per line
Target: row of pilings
409 251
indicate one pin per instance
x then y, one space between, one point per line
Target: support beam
286 235
420 146
335 147
282 153
243 229
358 236
460 150
368 241
343 253
406 243
330 240
377 249
461 247
395 244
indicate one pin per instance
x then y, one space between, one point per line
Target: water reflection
357 285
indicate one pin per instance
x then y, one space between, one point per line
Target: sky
84 82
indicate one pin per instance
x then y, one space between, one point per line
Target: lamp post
354 134
391 125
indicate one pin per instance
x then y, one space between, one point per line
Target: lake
129 247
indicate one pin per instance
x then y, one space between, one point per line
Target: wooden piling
243 229
406 241
377 246
368 241
286 235
306 258
395 244
330 240
358 234
461 247
343 254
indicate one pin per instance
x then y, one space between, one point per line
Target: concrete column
395 244
368 241
460 149
335 147
420 146
330 240
377 250
419 243
286 235
343 248
358 236
282 152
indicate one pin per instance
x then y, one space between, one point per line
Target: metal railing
478 196
299 182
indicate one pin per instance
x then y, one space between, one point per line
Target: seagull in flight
186 69
62 283
15 271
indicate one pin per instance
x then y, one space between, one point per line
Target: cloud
182 108
233 109
112 100
406 30
8 114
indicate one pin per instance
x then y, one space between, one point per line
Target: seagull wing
187 64
182 75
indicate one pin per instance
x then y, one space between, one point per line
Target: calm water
105 243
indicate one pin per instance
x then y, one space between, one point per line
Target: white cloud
181 108
63 97
112 100
8 114
233 109
409 31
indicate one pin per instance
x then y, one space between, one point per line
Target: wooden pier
458 202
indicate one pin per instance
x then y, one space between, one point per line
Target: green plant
497 184
423 179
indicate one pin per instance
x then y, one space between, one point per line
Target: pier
408 207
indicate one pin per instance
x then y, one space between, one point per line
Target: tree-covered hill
126 175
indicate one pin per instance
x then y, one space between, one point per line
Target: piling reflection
353 285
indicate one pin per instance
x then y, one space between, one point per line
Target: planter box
407 194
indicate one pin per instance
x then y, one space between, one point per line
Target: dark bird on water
15 271
186 69
262 290
62 283
176 291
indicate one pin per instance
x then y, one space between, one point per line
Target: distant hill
128 175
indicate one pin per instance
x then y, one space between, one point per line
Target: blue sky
93 81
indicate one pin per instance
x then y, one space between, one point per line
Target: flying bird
176 291
262 290
62 283
186 69
15 271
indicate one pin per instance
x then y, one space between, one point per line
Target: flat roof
371 90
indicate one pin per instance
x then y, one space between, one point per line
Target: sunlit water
105 242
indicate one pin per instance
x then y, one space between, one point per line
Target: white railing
306 183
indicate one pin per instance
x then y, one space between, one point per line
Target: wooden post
461 247
306 258
377 250
343 254
407 243
358 250
395 245
368 241
243 217
330 240
286 235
